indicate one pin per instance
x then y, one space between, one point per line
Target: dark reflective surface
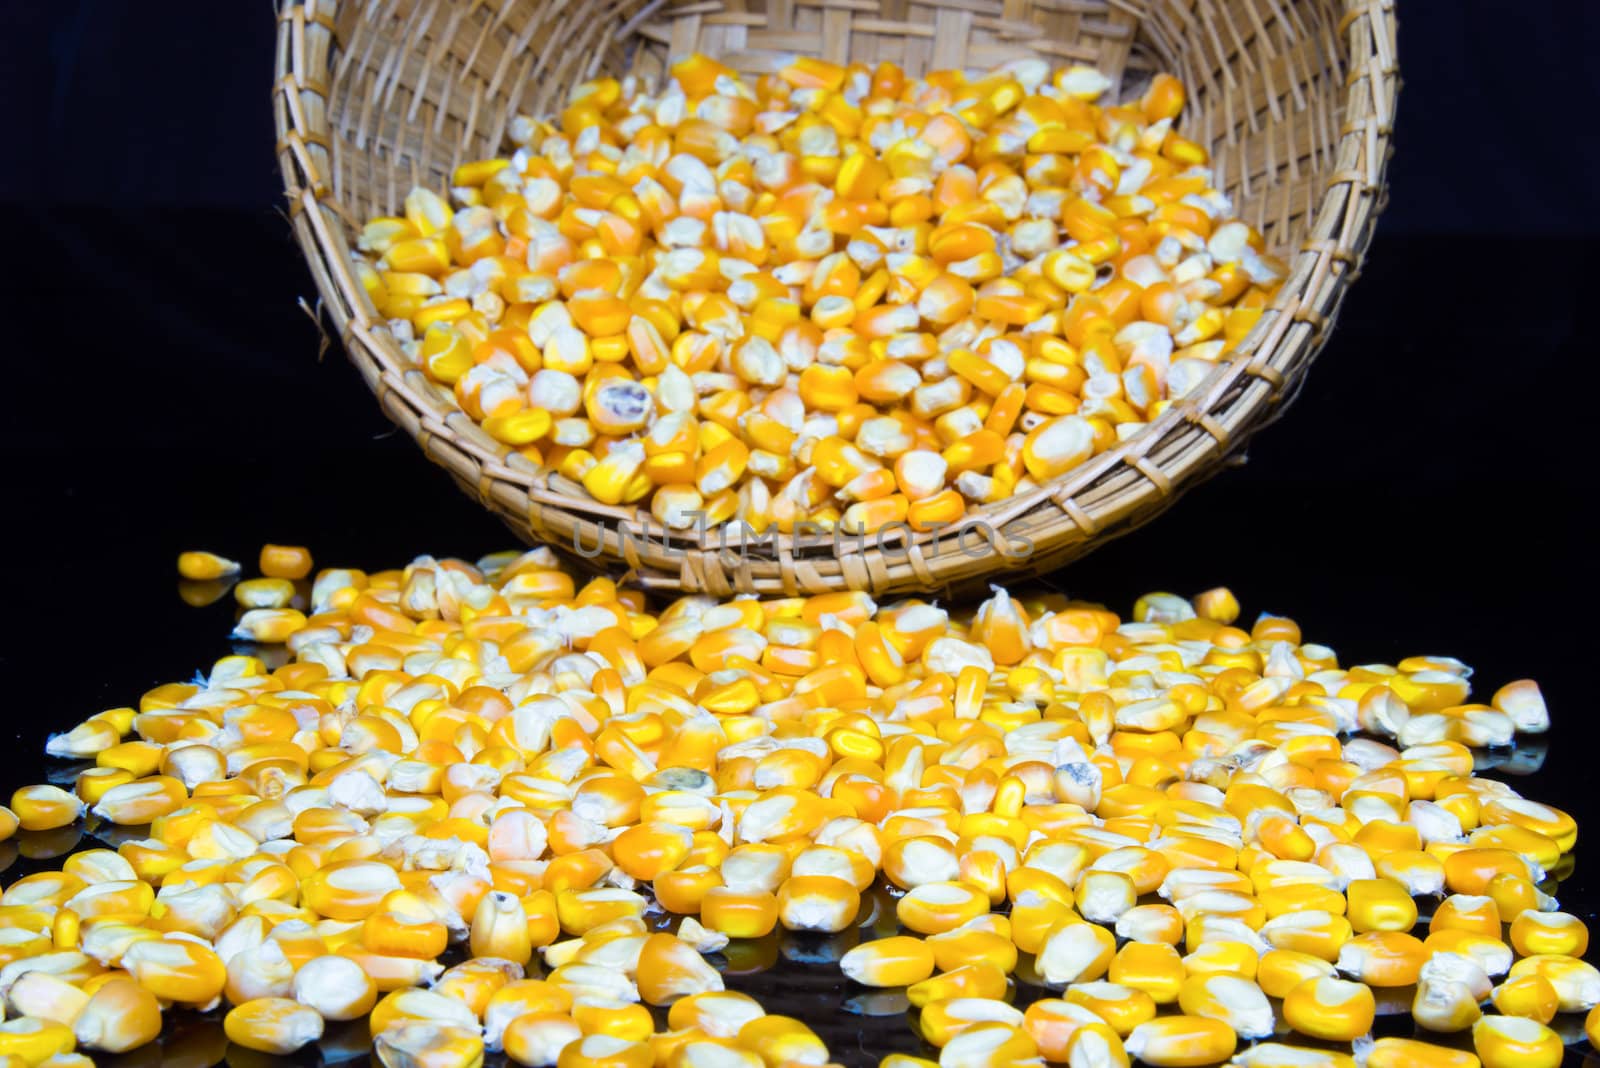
1424 496
787 972
791 973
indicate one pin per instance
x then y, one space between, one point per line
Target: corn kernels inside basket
834 295
1054 832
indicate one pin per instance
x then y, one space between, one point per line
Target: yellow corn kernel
581 910
500 928
119 1016
1330 1009
739 914
1548 932
177 970
899 960
1467 913
1383 958
349 890
474 982
1504 1041
1075 951
1444 1005
1379 905
670 968
335 987
933 908
1053 1023
989 1043
1237 1002
44 808
780 1039
1407 1052
1527 995
980 979
34 1040
273 1025
972 944
539 1038
1576 982
285 561
817 903
271 626
199 565
1124 1008
1181 1040
401 1007
434 1045
46 997
1153 967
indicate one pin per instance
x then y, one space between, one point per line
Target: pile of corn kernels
837 295
1169 821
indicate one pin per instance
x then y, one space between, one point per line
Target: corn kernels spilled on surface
831 295
1189 831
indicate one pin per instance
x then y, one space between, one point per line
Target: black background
163 389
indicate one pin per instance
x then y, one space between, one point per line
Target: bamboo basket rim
1107 496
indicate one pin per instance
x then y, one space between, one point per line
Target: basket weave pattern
1294 98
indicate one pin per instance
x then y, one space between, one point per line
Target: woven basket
1295 99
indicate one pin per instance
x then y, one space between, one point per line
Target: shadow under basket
1294 99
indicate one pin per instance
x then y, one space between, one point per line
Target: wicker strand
1295 98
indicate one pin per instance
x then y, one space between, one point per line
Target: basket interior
419 87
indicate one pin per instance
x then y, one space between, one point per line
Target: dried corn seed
198 565
1330 1009
285 561
894 961
508 761
273 1025
1503 1041
120 1015
336 987
427 1045
537 1039
1181 1040
33 1040
776 234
